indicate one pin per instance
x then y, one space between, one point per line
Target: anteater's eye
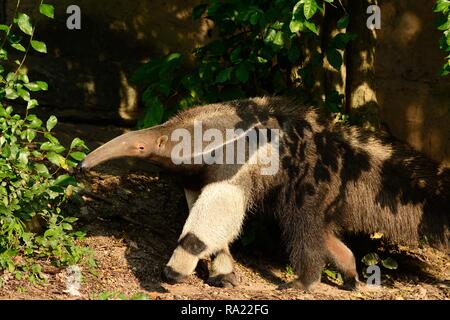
141 148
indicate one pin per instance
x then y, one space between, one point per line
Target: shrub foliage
258 48
34 166
443 7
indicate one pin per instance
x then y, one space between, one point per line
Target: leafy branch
32 225
259 46
443 23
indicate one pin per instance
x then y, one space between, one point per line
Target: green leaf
165 88
224 75
78 143
14 38
31 134
254 18
42 85
4 27
296 26
32 104
18 47
6 151
235 55
389 263
24 78
370 259
24 94
23 157
11 94
311 26
331 274
79 156
341 40
51 123
296 11
173 57
41 169
445 69
11 77
140 296
65 180
47 10
71 163
269 36
154 113
24 23
50 233
51 138
310 8
334 57
46 146
442 6
58 148
242 73
67 226
57 159
35 122
39 46
3 54
343 22
443 24
3 114
278 39
71 219
57 189
261 60
32 86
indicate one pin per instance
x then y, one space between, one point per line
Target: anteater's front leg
214 221
222 272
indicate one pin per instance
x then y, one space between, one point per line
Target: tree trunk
361 91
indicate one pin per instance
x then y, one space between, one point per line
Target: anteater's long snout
139 144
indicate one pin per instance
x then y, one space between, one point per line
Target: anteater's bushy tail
405 196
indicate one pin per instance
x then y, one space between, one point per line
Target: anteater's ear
161 141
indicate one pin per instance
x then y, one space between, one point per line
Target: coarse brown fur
333 178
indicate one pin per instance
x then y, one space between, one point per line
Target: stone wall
395 70
88 69
414 100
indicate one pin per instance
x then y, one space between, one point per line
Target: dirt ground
133 216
